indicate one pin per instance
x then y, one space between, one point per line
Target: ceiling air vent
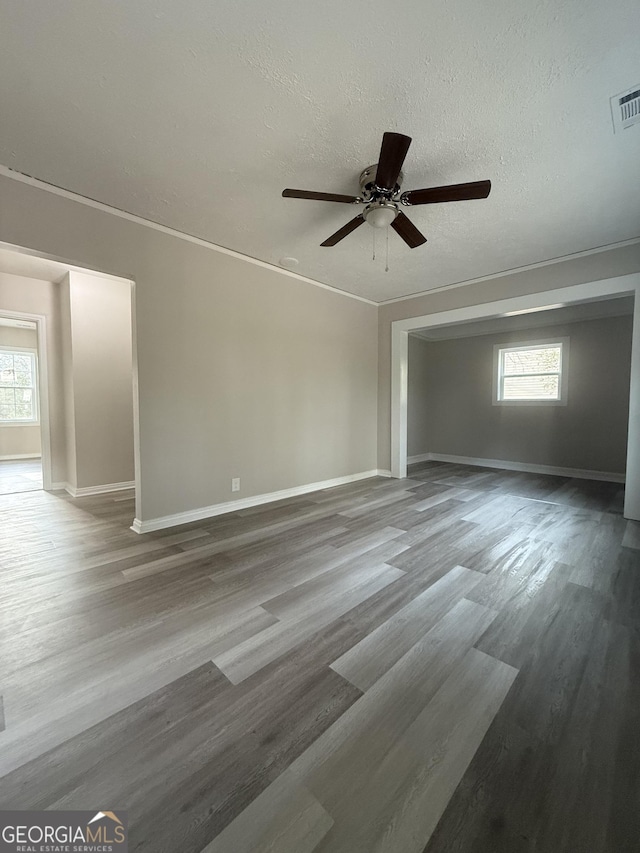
625 109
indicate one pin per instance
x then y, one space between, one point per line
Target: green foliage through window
530 373
18 398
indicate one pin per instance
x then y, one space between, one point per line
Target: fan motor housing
369 188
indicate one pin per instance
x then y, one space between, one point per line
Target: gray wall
244 371
450 407
19 440
98 378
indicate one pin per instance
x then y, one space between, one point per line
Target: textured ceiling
197 114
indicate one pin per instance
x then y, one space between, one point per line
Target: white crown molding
525 467
538 265
86 491
245 503
7 172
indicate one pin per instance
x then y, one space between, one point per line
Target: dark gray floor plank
545 690
577 794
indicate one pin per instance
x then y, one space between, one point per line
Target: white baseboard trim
85 491
13 456
525 467
152 524
421 457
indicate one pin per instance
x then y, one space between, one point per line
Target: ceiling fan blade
403 226
346 199
392 153
344 231
454 192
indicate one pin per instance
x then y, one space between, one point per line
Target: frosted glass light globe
381 217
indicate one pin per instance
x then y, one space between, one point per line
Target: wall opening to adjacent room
20 406
628 285
86 370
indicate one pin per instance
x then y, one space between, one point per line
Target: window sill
530 402
4 424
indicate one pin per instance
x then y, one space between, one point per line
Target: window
533 373
18 390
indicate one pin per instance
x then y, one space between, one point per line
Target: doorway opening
71 381
20 428
628 285
25 445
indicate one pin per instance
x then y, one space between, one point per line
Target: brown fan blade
392 153
342 232
454 192
403 226
346 199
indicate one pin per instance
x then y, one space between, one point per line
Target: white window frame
35 421
563 384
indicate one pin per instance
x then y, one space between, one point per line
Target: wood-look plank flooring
445 663
20 475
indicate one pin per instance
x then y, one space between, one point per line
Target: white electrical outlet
235 484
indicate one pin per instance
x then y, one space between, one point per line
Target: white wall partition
622 285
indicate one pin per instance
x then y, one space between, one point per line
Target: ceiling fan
381 195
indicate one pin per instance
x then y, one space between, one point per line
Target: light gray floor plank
354 745
285 818
398 804
320 592
340 765
403 497
109 674
366 662
450 494
257 587
255 653
631 537
20 475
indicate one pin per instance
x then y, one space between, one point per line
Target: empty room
319 427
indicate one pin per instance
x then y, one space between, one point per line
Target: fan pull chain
386 268
374 244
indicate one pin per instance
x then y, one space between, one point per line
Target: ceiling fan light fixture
380 214
381 195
